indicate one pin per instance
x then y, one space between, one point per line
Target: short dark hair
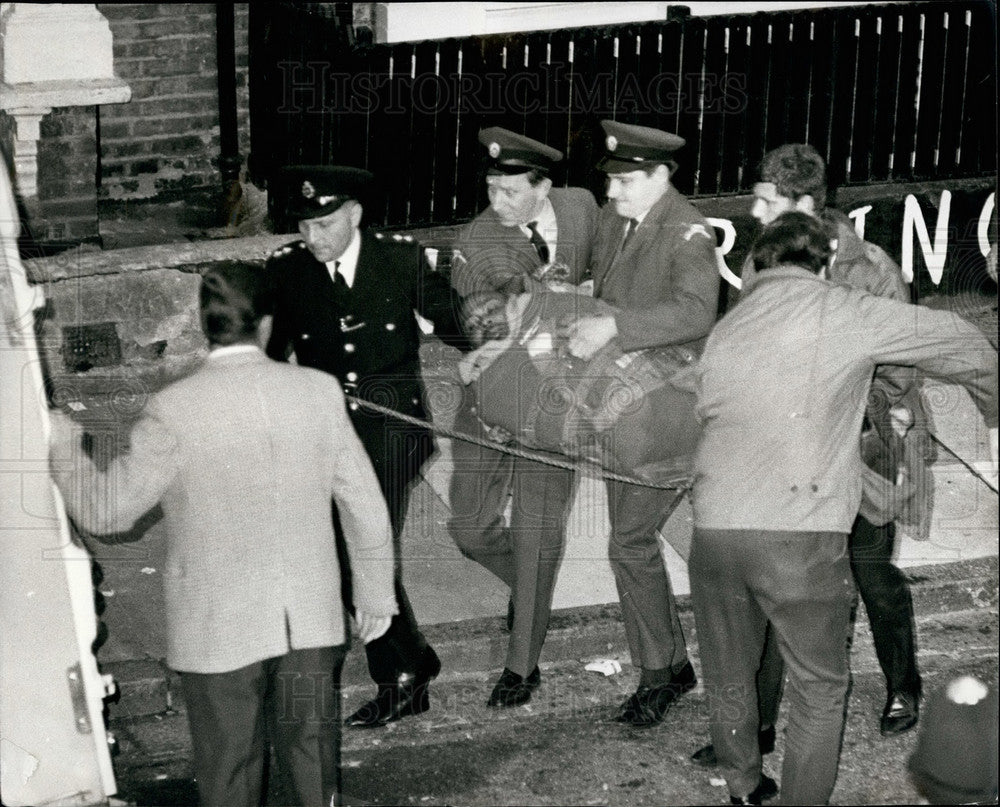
536 175
233 299
796 170
650 167
793 239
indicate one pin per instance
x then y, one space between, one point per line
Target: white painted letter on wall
934 254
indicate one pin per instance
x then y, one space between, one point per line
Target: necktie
538 242
629 230
338 279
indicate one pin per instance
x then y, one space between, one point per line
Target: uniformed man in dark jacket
654 261
532 238
344 302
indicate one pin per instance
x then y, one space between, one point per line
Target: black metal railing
895 92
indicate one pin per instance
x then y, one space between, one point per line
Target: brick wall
65 209
167 137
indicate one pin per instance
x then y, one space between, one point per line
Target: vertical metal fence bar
834 62
690 118
459 100
941 94
965 87
809 77
886 93
795 113
722 114
868 87
916 94
854 98
733 154
935 77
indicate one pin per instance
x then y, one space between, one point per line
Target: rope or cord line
968 467
680 483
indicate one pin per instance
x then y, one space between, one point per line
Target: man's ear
264 331
806 204
357 211
545 185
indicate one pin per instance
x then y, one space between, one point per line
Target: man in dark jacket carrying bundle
654 262
532 237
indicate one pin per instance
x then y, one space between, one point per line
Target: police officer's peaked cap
513 153
318 190
629 147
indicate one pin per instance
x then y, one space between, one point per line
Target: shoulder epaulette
399 238
696 229
287 249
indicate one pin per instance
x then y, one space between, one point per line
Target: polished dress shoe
707 759
767 789
648 705
902 710
513 690
408 696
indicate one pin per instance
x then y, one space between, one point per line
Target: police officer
344 302
531 237
654 260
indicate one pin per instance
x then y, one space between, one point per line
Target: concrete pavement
561 748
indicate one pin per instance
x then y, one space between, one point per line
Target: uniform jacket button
349 348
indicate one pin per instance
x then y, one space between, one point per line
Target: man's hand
901 419
589 334
990 470
498 434
64 434
369 627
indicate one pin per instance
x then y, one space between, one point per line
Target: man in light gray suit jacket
246 457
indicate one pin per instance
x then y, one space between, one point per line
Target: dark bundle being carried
631 413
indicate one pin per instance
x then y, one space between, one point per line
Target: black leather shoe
902 710
513 690
649 705
408 696
767 789
707 759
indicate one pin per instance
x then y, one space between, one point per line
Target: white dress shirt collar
228 350
347 264
547 227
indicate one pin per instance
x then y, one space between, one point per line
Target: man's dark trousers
397 453
889 605
801 583
293 703
888 602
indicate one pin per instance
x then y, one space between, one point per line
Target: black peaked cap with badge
630 147
310 191
513 153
